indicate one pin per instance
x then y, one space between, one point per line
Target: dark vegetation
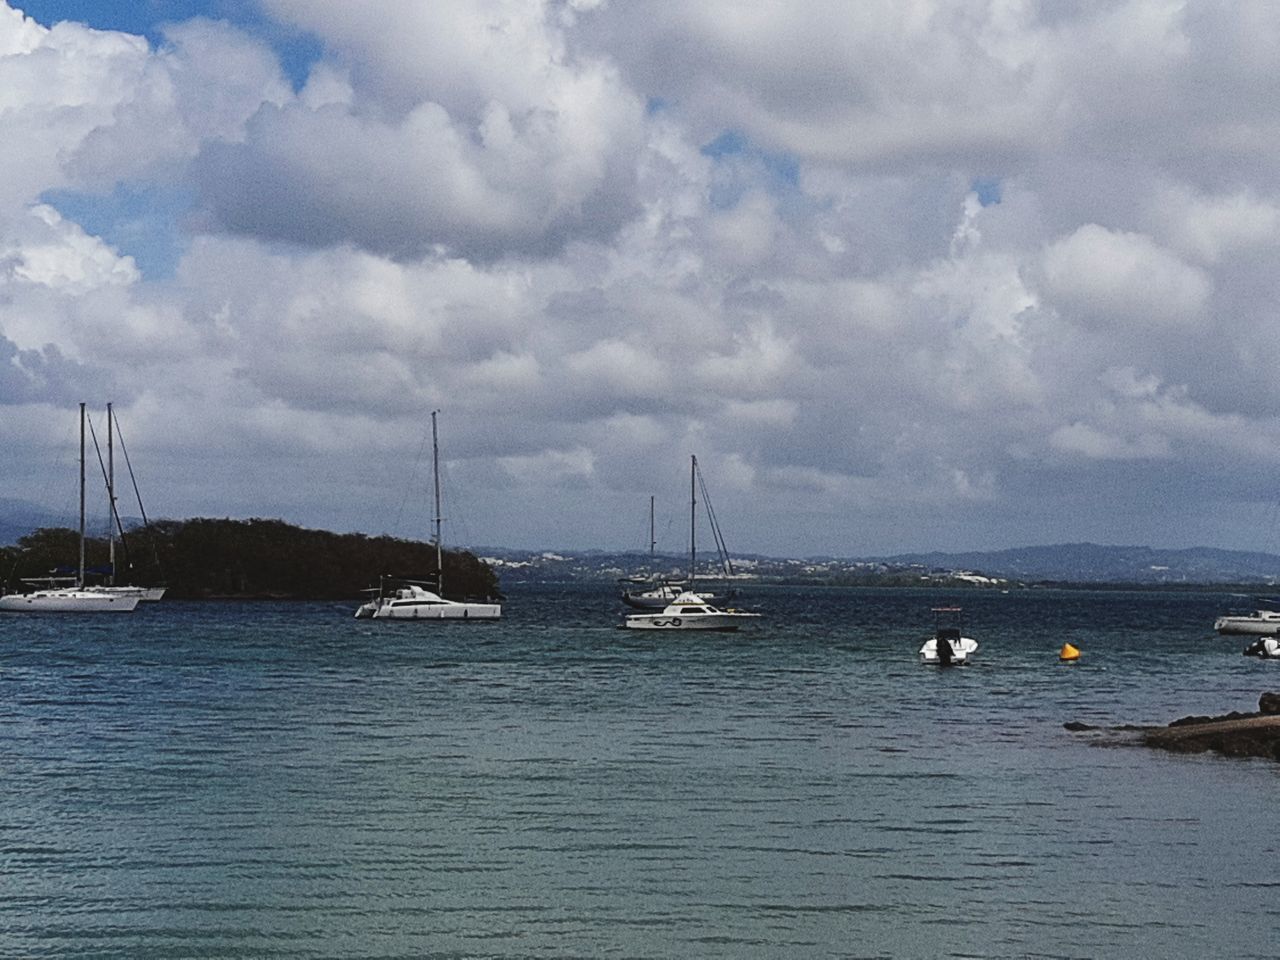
209 559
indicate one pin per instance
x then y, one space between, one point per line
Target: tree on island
208 558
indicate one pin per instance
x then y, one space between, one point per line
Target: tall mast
652 542
693 519
111 502
435 474
80 578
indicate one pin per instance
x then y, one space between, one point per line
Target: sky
903 274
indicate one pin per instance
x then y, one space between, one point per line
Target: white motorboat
1265 647
689 612
665 595
397 598
948 646
412 601
1264 623
72 598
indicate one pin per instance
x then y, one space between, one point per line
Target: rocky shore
1232 735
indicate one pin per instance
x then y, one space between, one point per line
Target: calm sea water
280 780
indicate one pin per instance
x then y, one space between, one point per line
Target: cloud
1107 276
901 275
472 128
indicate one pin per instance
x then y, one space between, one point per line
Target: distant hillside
208 558
1094 563
1062 563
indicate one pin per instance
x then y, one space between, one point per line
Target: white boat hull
452 611
415 603
689 611
1264 623
144 594
66 601
723 620
961 650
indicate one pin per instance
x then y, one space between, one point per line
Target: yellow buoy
1068 653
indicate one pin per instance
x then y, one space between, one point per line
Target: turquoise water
280 780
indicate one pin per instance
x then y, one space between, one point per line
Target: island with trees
206 558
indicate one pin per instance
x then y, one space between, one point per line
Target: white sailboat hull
144 594
1263 623
66 601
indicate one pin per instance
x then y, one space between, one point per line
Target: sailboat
111 588
398 598
689 610
73 598
652 592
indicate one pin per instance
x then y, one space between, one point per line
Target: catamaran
397 598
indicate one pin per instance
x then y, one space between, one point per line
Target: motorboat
689 612
413 601
1259 623
398 598
667 602
948 646
1266 647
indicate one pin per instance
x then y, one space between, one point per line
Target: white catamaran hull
66 601
415 603
407 610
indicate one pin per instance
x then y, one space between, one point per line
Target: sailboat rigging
398 598
115 524
689 610
75 598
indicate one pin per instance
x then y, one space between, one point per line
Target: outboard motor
1256 649
946 652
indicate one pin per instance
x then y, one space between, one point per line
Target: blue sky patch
988 189
141 222
742 164
296 51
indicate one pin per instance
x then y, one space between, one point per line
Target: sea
278 779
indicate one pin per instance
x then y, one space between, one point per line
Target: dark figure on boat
943 639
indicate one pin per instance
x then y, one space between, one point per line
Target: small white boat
948 646
1264 623
397 598
412 601
1265 647
689 612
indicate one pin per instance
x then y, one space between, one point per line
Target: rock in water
1269 703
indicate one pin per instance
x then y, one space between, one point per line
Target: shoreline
1249 735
